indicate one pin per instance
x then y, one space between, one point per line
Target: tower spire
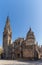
7 36
7 25
7 21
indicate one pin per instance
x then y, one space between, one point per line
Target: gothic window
19 43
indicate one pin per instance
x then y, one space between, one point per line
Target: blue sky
23 15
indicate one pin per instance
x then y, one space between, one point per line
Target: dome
30 36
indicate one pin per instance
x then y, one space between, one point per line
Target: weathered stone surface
20 48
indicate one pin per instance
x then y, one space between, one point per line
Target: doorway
18 55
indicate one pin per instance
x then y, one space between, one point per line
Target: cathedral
20 48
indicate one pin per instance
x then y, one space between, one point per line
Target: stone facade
20 48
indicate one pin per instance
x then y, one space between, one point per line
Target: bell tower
7 36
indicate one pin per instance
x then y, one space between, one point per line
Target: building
7 36
20 48
1 51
